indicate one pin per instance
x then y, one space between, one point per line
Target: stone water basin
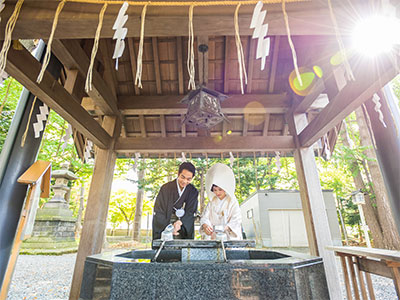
192 273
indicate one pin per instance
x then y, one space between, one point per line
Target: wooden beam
72 56
156 64
24 68
78 20
132 57
226 65
274 64
369 79
250 65
310 98
204 144
203 67
162 126
169 104
179 58
183 126
95 220
109 70
142 126
266 125
245 124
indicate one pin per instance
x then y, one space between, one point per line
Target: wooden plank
346 277
204 144
72 56
245 124
169 104
370 286
24 68
162 125
361 280
369 80
156 59
396 280
274 64
315 217
142 126
224 127
80 20
35 172
109 70
95 220
310 98
179 58
226 65
376 267
353 277
132 57
384 254
266 125
203 66
250 64
183 126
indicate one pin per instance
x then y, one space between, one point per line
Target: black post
387 141
14 162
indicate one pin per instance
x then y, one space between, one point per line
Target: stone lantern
54 229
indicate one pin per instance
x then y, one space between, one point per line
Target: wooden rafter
274 64
226 65
200 144
369 80
22 66
179 57
245 124
142 126
169 104
71 54
250 66
162 126
109 71
183 126
266 125
156 64
310 98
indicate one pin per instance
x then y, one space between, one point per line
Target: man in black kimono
174 196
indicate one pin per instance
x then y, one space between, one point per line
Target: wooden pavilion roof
151 118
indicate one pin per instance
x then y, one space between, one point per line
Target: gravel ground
43 277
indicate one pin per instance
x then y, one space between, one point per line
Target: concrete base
53 233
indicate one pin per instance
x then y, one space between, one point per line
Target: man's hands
207 229
177 227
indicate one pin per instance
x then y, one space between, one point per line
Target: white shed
275 218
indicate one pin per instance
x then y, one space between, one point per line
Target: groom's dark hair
187 166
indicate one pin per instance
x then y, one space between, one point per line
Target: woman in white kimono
223 209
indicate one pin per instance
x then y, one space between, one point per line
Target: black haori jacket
163 209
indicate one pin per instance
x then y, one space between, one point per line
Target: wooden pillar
93 230
316 219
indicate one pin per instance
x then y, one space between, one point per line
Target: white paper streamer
183 157
66 137
120 33
88 149
278 160
41 118
231 159
327 147
375 99
260 32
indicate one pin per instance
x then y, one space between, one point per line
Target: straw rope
27 124
47 56
294 55
6 96
186 3
7 35
88 84
239 48
349 72
138 79
190 59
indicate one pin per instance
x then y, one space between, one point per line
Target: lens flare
318 71
307 76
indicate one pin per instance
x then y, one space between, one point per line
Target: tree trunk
369 211
202 187
390 236
139 204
